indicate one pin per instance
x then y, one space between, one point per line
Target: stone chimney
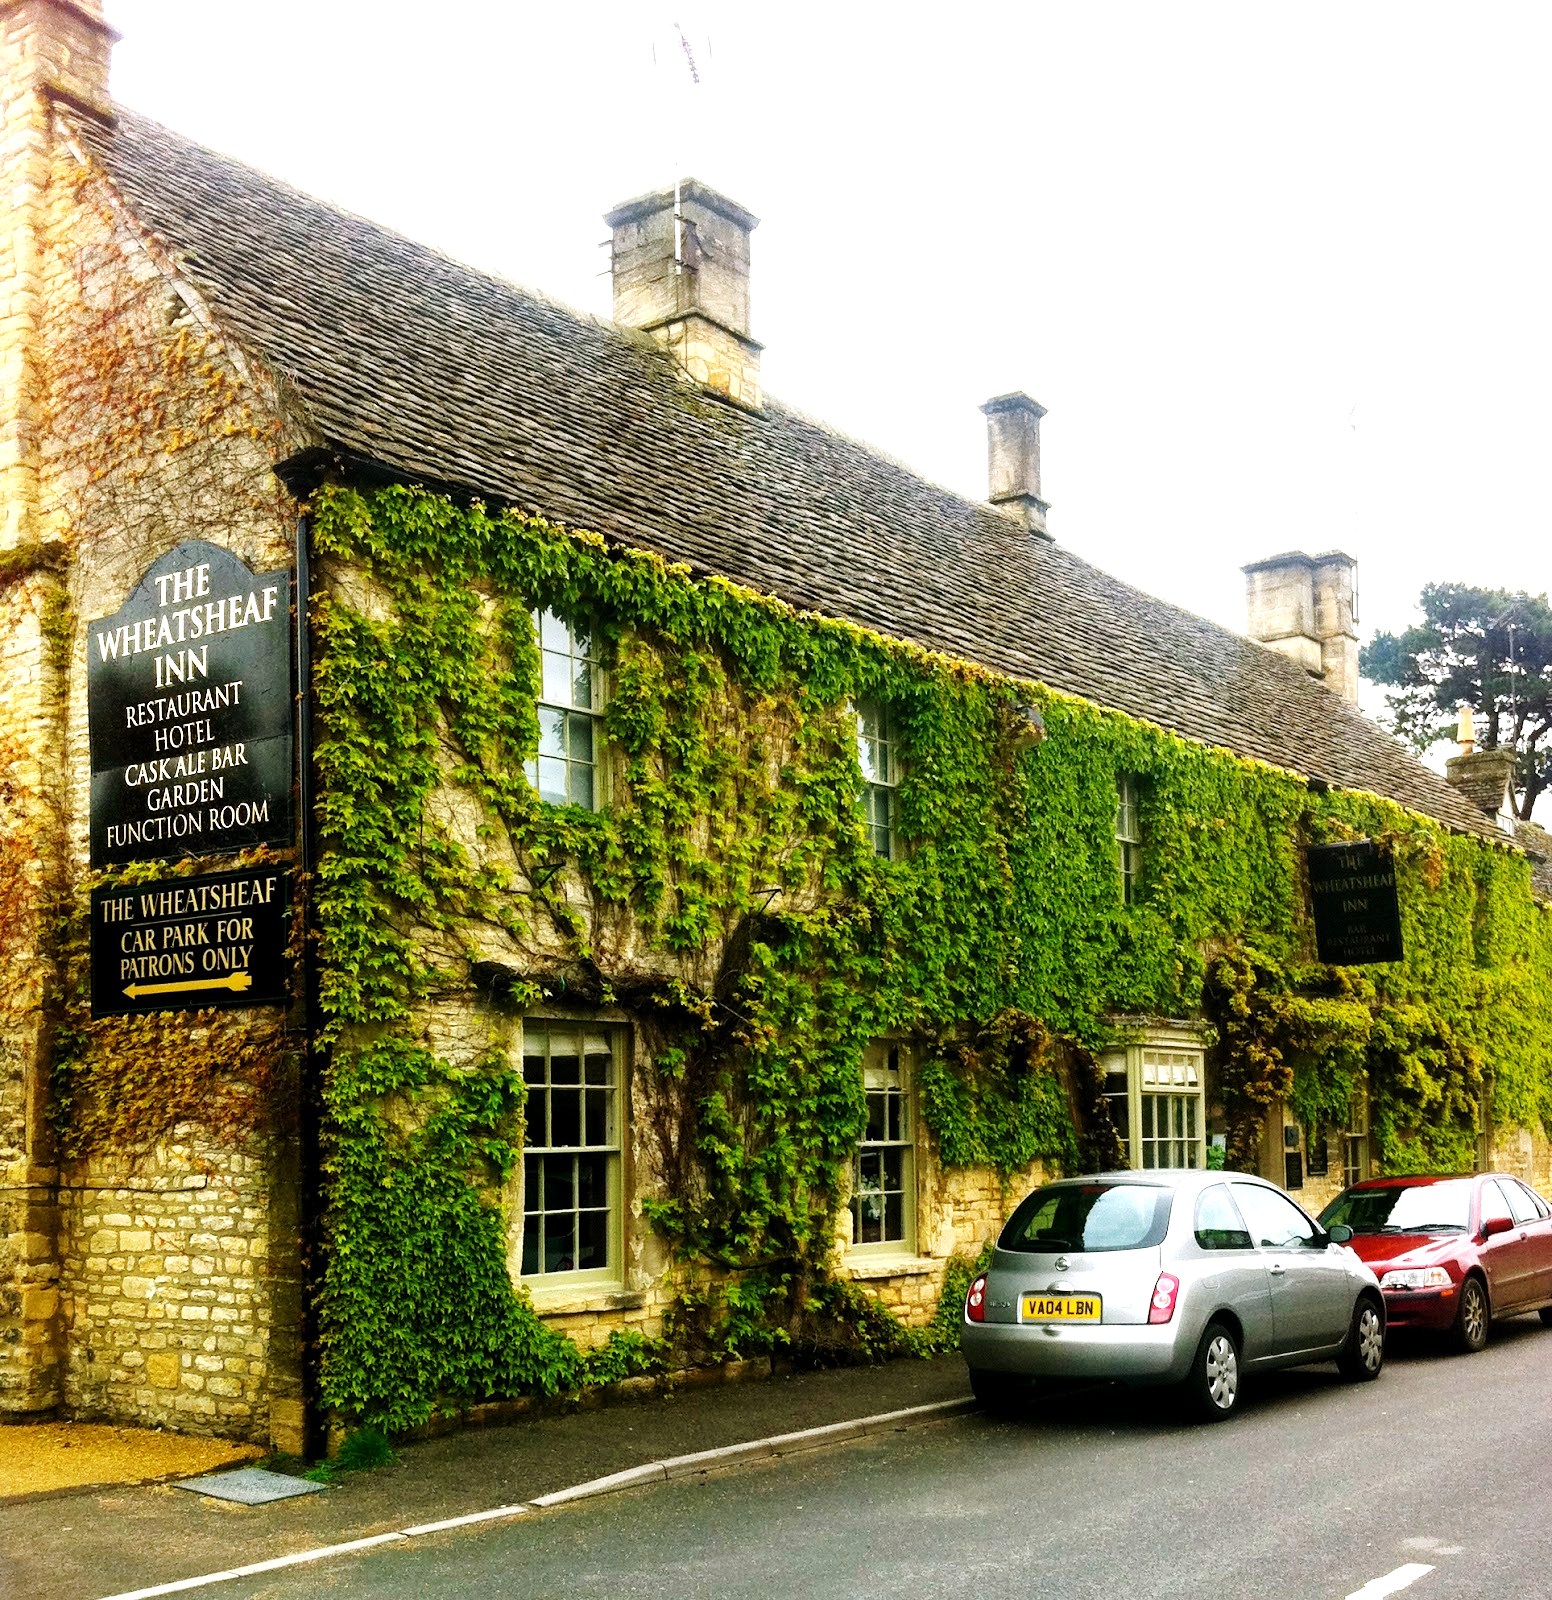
1485 777
1306 608
52 52
1013 460
680 260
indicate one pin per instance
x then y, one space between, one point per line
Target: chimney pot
1013 460
680 262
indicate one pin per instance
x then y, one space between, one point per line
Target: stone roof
1536 842
443 374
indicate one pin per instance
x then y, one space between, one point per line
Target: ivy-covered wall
726 901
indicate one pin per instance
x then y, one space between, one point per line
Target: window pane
565 1117
875 1127
559 1183
565 1063
579 737
1218 1225
552 781
593 1181
598 1104
533 1065
582 684
560 1242
599 1059
533 1193
894 1168
894 1217
537 1113
592 1240
553 633
556 681
1274 1221
582 786
530 1246
552 732
1493 1203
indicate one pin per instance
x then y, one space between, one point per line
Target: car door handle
1277 1269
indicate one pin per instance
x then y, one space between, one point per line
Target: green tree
1490 649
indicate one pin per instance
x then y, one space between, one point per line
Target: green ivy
726 899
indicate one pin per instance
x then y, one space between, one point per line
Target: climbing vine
726 900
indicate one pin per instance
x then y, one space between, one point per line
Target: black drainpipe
310 1089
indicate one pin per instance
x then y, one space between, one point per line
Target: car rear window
1089 1217
1404 1208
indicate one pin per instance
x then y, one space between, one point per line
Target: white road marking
1392 1582
1429 1546
297 1560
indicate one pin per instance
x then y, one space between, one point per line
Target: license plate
1061 1308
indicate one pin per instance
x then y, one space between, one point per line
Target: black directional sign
214 940
189 704
1357 915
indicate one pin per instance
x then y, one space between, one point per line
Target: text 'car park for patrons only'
1167 1277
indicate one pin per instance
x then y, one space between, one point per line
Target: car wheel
1471 1321
1364 1353
1546 1316
1212 1390
997 1392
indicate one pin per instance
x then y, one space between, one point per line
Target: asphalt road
1316 1489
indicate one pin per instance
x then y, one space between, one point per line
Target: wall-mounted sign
1357 917
189 704
185 943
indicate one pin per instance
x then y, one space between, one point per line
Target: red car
1452 1254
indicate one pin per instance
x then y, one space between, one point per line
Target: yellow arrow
235 980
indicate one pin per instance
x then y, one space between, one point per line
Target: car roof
1155 1177
1419 1179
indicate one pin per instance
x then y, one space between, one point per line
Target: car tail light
1164 1292
975 1300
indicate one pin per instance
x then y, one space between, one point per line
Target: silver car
1168 1277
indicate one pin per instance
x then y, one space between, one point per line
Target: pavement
115 1541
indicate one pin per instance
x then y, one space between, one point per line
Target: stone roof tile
442 373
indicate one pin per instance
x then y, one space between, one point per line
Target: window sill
866 1269
569 1300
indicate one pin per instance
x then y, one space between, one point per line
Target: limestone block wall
1525 1152
174 1292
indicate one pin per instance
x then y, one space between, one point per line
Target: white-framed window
1156 1098
1128 833
878 756
572 1199
1355 1141
565 770
883 1179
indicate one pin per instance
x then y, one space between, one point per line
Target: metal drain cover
249 1486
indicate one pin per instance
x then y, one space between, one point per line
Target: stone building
699 923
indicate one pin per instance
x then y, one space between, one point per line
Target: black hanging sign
1357 917
189 704
185 943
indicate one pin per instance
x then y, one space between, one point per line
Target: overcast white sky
1280 272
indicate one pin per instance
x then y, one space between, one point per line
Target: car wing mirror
1496 1225
1339 1233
